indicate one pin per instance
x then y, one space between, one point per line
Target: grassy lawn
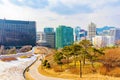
65 75
68 72
28 76
71 72
52 73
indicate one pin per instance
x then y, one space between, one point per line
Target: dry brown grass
96 77
58 69
112 72
113 50
115 72
28 76
76 70
9 59
65 75
50 58
23 56
73 73
40 50
111 61
103 70
52 73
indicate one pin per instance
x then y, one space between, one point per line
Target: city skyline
53 13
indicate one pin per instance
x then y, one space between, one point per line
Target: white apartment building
103 41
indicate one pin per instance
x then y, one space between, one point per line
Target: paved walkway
33 71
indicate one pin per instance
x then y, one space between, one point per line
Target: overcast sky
53 13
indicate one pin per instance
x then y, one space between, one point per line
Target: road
33 71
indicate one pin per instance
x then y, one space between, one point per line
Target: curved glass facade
17 33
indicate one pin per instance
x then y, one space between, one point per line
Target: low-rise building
103 41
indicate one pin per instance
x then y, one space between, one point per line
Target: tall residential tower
91 31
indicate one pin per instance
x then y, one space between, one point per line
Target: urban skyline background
53 13
19 33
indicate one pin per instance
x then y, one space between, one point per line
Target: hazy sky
72 13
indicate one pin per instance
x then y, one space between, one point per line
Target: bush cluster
46 64
111 63
111 71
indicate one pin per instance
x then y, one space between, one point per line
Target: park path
33 71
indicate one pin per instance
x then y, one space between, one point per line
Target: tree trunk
74 61
83 60
93 67
92 64
68 61
61 67
84 56
80 68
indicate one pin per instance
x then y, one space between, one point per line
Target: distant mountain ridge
100 30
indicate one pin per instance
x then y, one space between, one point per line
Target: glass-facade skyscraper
77 31
17 33
50 36
80 34
64 36
48 30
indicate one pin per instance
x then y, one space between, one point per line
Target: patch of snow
13 70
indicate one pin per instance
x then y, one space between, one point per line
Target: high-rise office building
80 34
48 30
38 36
17 33
42 40
64 36
77 31
83 34
116 33
41 37
91 31
50 36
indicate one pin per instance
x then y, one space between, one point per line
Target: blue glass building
83 33
77 31
48 30
17 33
